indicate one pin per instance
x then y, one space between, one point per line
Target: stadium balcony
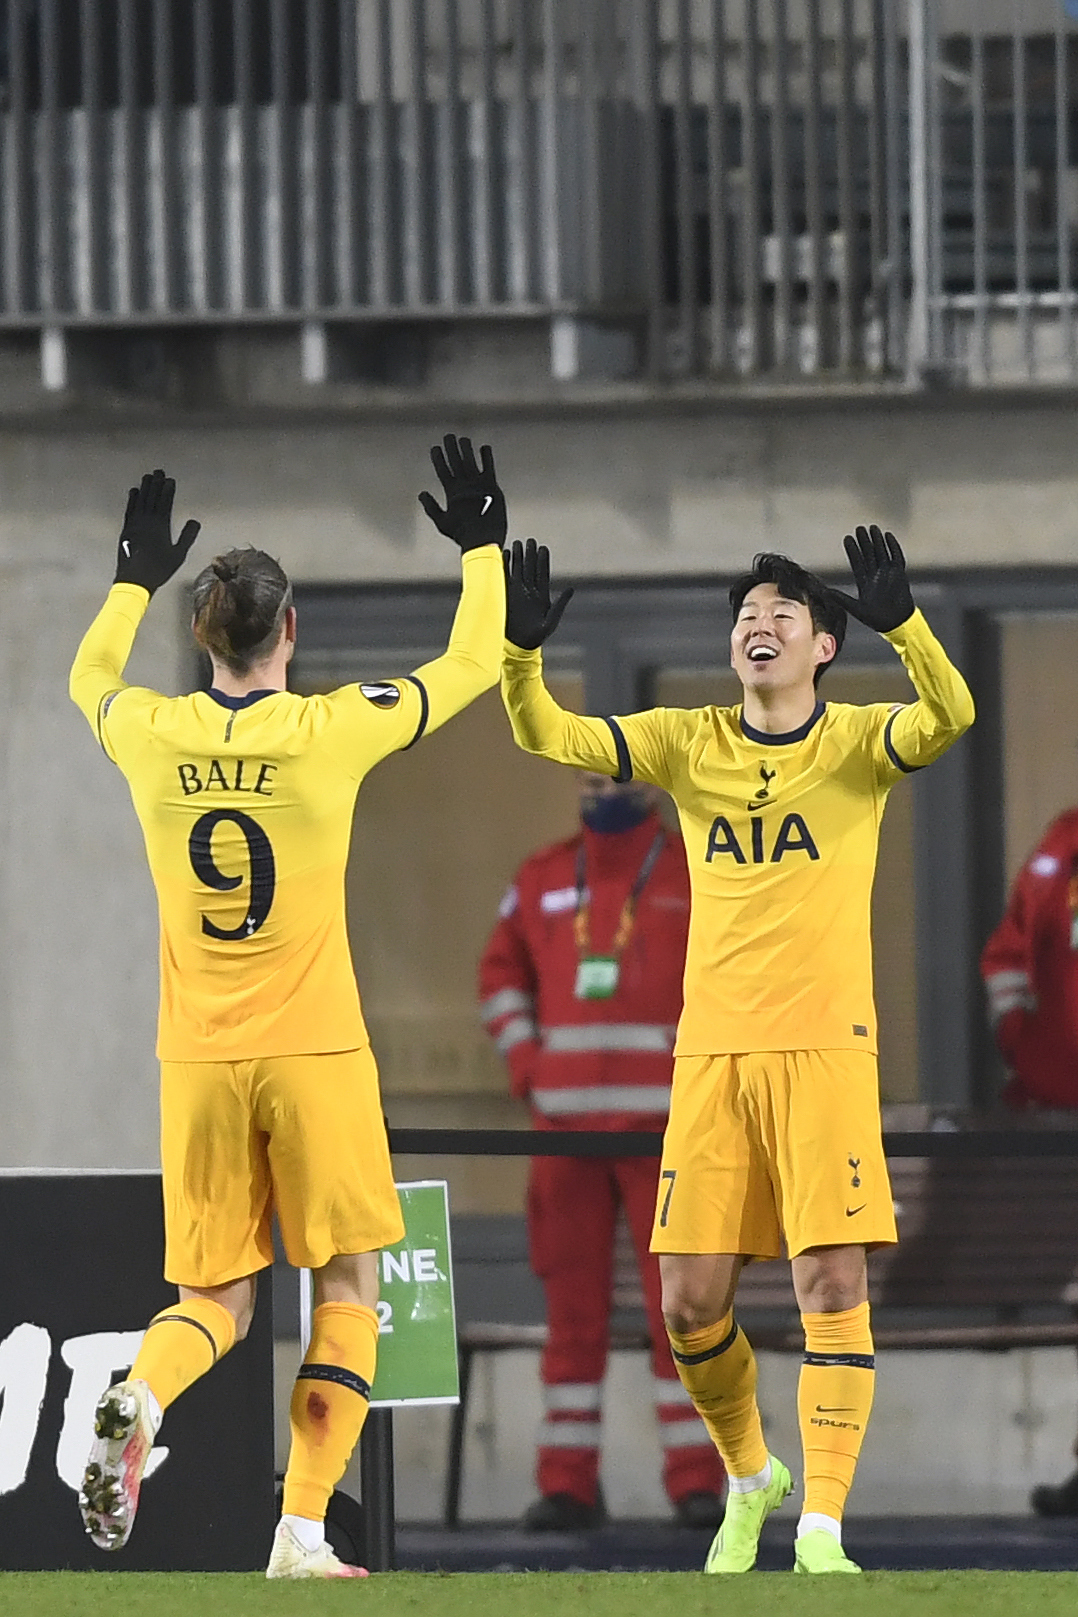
599 192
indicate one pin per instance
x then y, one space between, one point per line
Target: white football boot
124 1434
288 1559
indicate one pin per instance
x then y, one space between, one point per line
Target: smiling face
773 644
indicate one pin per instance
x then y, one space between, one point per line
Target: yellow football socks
718 1369
181 1344
329 1404
834 1400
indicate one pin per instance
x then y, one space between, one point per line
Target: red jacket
1030 969
590 1063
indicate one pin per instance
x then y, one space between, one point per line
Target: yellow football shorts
783 1143
302 1135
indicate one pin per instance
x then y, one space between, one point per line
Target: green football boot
820 1551
737 1541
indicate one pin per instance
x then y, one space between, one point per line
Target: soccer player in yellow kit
269 1092
774 1127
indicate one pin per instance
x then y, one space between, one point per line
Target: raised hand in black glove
474 512
147 555
883 599
529 616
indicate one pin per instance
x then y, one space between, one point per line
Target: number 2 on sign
385 1318
669 1174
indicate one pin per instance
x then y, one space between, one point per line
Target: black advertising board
80 1277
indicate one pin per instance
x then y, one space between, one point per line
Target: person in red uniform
1030 971
580 987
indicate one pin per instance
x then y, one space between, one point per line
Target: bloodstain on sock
317 1408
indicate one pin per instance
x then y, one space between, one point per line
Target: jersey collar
765 739
236 702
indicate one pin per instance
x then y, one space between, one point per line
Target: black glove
883 599
475 506
147 555
529 617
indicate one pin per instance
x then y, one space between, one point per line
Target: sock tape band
337 1373
708 1353
185 1319
859 1361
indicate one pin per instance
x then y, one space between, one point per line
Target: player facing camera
778 1019
788 626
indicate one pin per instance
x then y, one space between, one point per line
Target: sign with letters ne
417 1347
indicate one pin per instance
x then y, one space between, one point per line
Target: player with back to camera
269 1091
774 1128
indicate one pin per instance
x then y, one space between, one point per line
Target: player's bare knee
348 1277
682 1318
243 1313
237 1297
830 1280
697 1290
688 1303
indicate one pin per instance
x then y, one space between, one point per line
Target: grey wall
636 485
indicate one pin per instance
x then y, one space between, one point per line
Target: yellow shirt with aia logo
246 808
781 834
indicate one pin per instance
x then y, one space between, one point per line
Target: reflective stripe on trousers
570 1434
590 1038
627 1098
577 1396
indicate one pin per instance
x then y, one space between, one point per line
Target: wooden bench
983 1245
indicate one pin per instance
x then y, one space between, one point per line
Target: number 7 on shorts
669 1174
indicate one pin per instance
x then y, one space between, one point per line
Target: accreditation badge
597 977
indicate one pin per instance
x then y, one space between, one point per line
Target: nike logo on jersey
850 1211
793 836
487 503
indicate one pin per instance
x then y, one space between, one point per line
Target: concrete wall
632 483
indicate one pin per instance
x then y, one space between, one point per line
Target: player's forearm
944 707
541 727
106 646
472 660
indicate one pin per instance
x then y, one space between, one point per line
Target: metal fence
750 187
994 190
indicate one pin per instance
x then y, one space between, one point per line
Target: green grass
544 1594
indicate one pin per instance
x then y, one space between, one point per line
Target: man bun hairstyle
240 602
795 583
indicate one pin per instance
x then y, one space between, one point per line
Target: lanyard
581 920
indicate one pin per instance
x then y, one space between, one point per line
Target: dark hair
240 603
794 583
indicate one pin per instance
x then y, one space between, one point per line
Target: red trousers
572 1214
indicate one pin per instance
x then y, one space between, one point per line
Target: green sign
417 1348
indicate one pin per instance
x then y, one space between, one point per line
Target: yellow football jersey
246 808
781 834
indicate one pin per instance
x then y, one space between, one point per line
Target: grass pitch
543 1594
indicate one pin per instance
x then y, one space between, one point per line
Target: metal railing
719 173
749 187
994 192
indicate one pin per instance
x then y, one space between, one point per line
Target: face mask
617 811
